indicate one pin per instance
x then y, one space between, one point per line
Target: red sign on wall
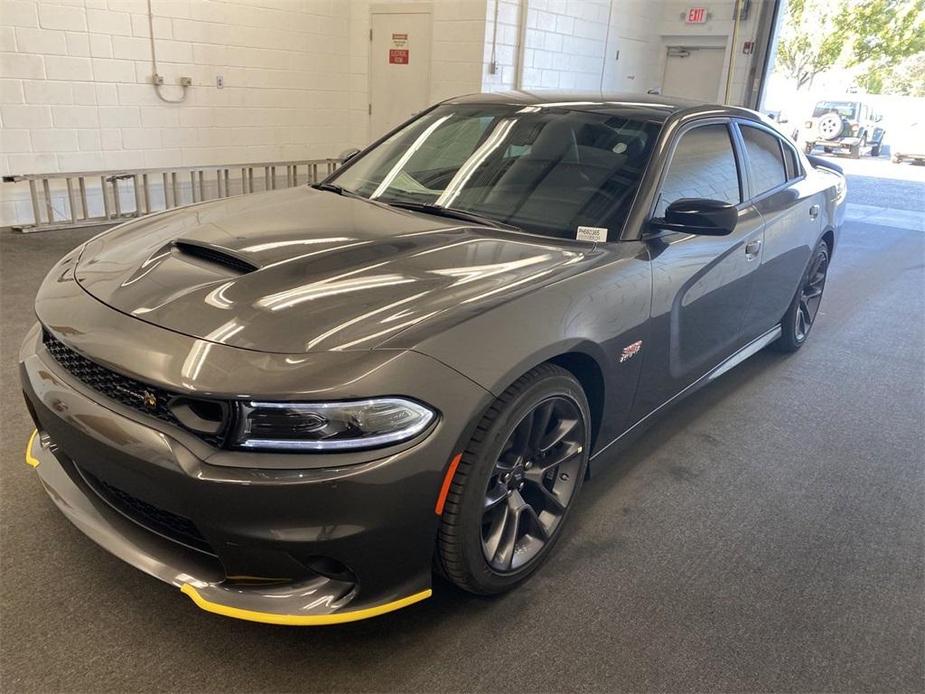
697 15
398 56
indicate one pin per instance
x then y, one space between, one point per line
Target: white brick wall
458 42
567 44
75 88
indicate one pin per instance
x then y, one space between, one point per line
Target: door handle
752 249
814 211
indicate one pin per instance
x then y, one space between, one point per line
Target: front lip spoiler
300 620
202 583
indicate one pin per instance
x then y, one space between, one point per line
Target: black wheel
875 150
516 483
799 319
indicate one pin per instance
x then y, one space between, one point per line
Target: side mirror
347 155
699 216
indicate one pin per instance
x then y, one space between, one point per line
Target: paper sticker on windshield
591 234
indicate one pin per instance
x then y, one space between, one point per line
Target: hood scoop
215 255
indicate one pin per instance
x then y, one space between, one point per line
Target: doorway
399 65
694 73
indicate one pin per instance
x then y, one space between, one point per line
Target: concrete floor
766 534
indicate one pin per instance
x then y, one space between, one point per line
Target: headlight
330 426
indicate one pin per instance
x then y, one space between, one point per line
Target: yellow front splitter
271 617
31 460
301 620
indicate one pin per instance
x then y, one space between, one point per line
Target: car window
703 166
848 109
765 161
547 170
794 169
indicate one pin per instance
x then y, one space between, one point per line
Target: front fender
595 314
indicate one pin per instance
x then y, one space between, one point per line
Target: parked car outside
909 144
843 126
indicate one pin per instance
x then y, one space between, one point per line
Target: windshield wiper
339 189
331 188
450 213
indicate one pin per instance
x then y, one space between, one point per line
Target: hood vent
215 254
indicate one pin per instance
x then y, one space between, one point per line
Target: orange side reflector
447 480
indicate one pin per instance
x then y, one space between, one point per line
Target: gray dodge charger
296 406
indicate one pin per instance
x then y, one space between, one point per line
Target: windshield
847 109
544 170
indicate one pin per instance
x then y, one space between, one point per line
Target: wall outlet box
219 82
186 81
157 79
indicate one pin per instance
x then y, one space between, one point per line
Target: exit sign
697 15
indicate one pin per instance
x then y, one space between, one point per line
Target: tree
908 78
893 30
813 38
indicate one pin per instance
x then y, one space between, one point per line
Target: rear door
790 208
702 285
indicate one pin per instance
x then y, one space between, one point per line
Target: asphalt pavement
764 535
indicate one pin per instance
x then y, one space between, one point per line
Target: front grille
142 397
169 525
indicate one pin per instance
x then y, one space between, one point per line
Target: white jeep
843 126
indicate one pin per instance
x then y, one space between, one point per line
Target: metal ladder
133 193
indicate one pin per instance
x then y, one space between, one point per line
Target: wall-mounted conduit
156 78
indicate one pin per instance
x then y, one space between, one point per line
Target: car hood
302 270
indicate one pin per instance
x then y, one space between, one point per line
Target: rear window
794 169
848 109
765 160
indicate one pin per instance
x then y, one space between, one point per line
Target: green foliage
894 31
875 35
886 31
908 77
813 38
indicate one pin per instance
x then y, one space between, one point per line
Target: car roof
650 106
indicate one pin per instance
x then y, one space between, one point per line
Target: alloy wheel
532 483
811 296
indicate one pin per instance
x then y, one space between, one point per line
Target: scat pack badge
630 351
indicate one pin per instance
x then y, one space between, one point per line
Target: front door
701 285
399 68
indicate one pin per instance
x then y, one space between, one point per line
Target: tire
792 337
472 520
875 150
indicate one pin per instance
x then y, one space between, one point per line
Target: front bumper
301 545
198 577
